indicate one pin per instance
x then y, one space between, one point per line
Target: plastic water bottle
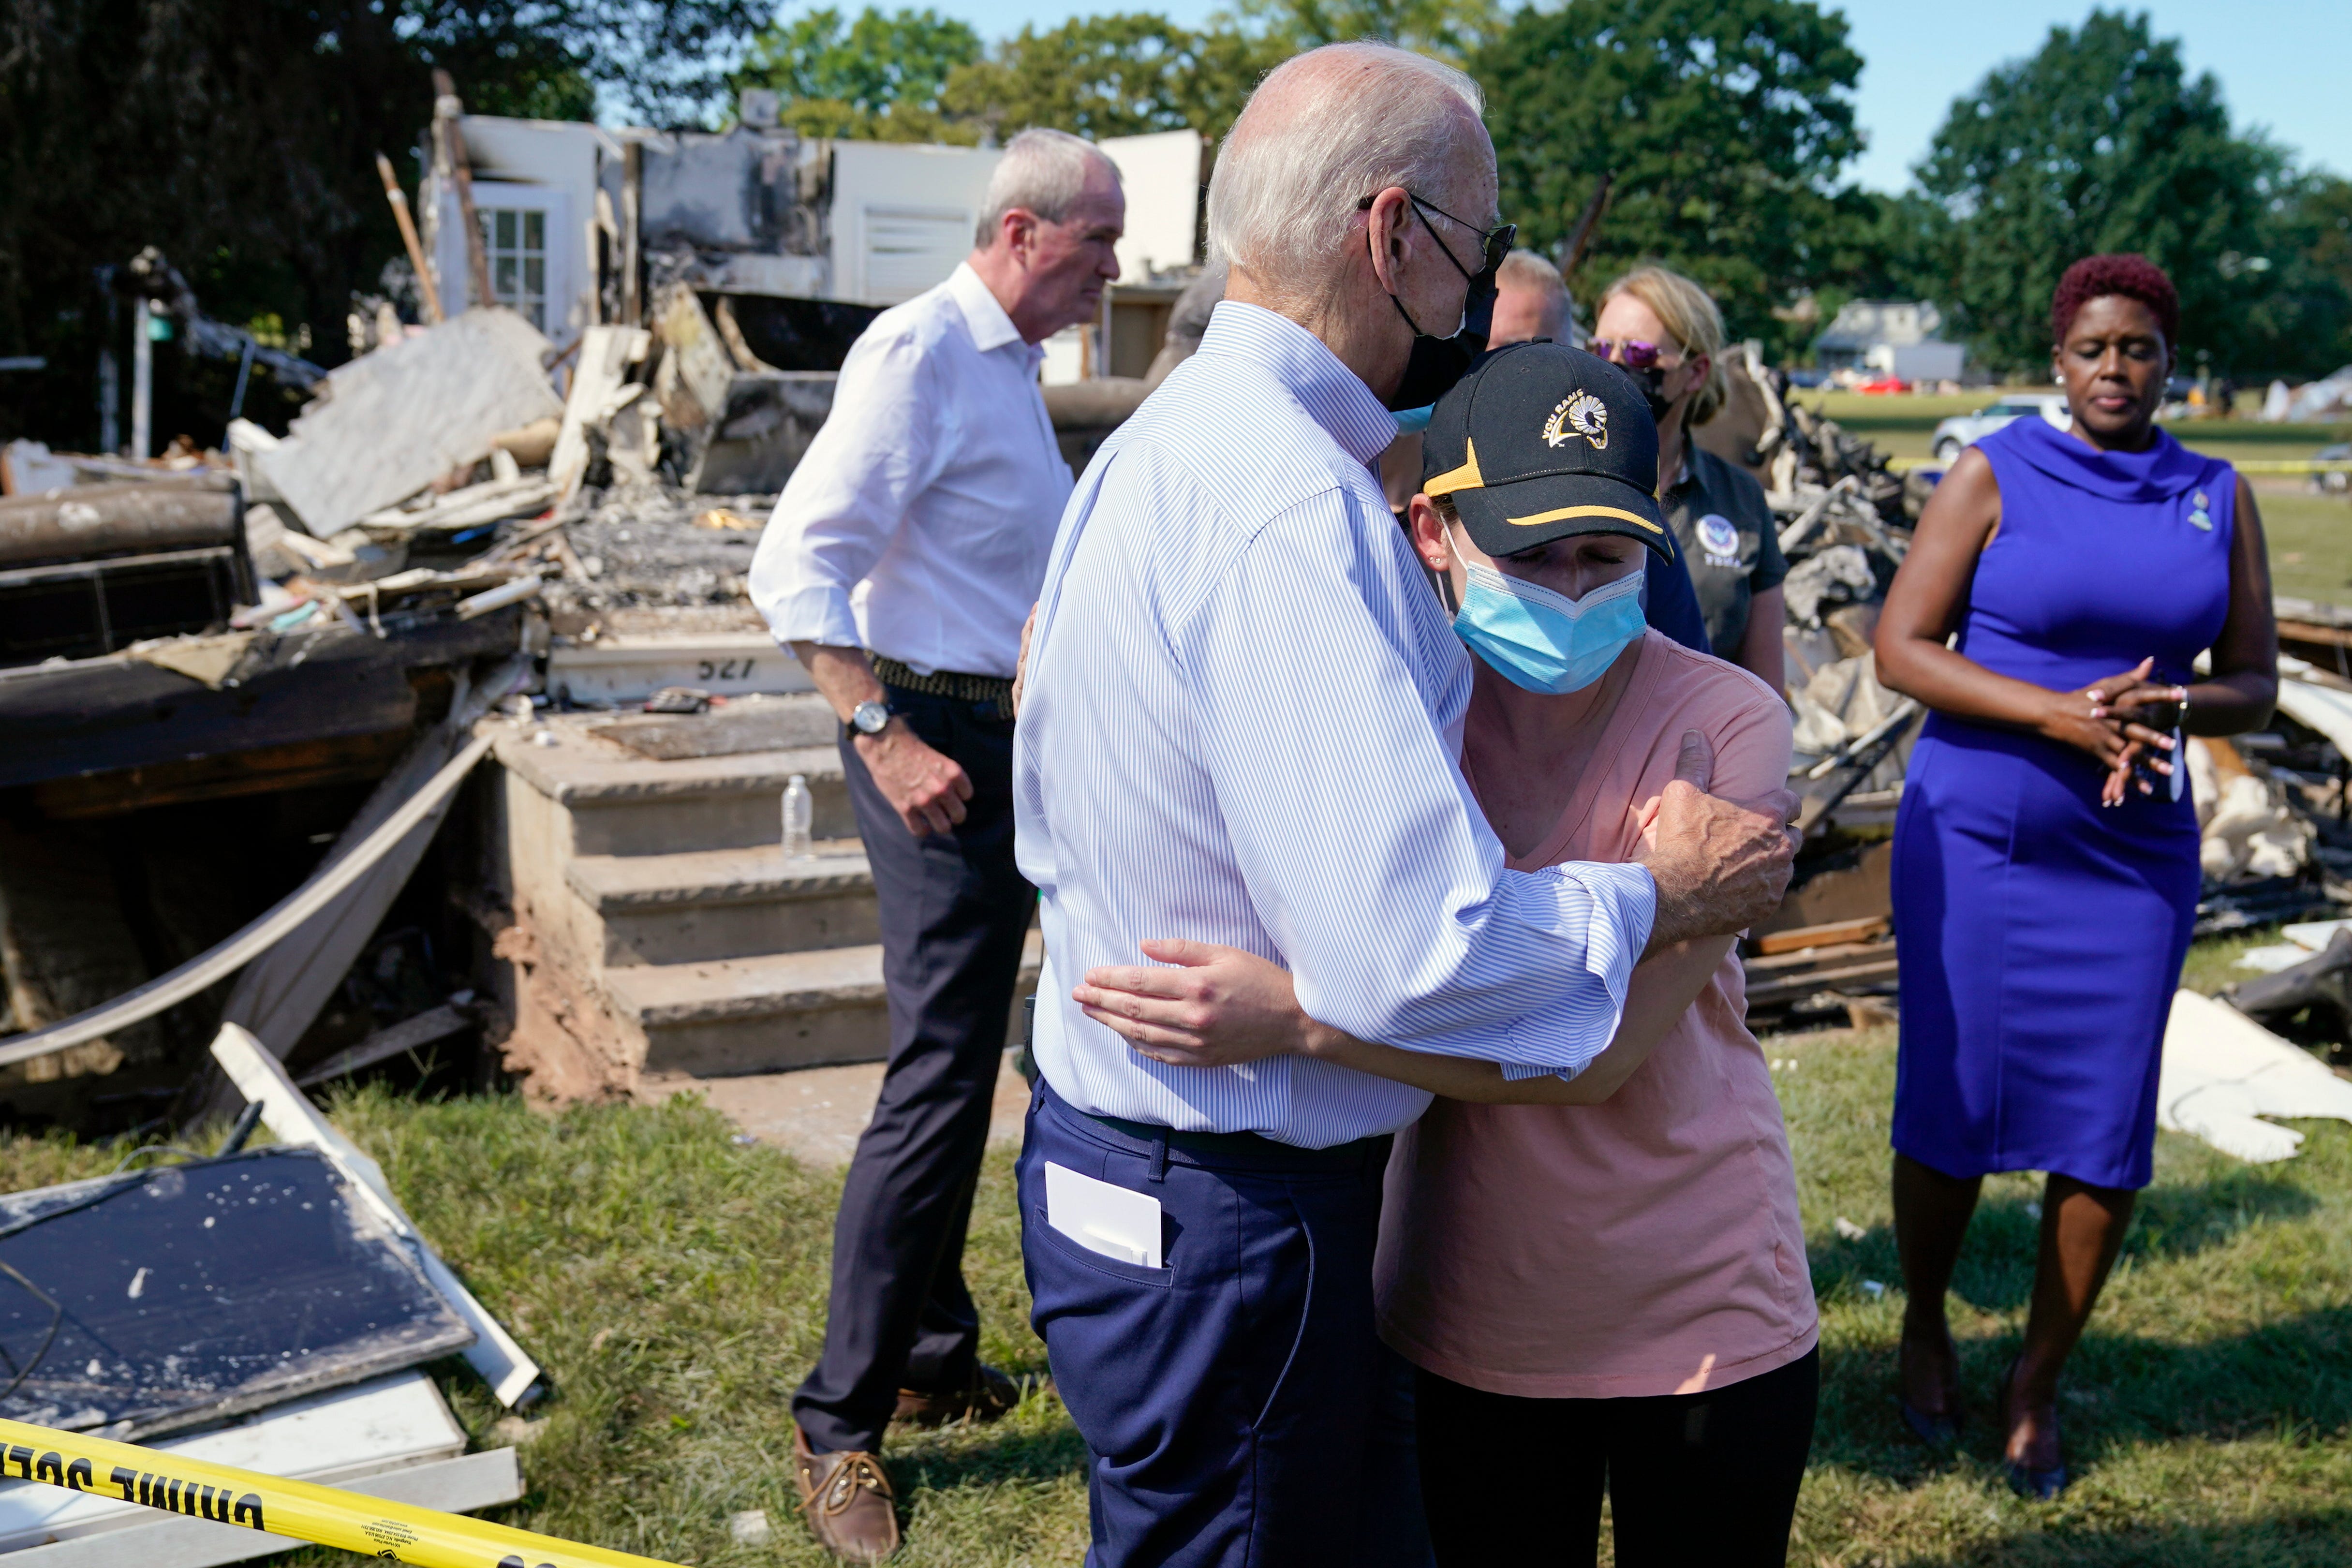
800 810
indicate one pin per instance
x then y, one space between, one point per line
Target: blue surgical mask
1545 641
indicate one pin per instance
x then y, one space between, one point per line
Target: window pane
506 229
502 276
534 275
534 231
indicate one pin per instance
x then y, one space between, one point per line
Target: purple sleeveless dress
2042 937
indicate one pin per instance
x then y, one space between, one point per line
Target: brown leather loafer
988 1397
847 1500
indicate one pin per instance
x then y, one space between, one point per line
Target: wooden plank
606 355
1822 980
100 715
435 1024
298 764
1848 931
1835 952
461 1484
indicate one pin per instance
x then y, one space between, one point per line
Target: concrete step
770 1012
624 804
706 904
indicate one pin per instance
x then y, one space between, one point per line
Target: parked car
1967 429
2338 482
1881 386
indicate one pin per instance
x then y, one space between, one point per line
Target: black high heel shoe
2026 1481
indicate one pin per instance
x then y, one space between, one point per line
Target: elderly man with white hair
1241 724
901 560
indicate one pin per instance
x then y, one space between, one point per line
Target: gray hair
1042 171
1324 129
1527 270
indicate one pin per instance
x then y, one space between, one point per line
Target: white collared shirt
1243 724
917 523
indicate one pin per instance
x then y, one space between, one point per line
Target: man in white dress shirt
902 561
1240 722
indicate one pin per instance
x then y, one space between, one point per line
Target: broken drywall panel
195 1291
2222 1073
392 422
328 1438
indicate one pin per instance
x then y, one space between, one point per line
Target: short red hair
2133 277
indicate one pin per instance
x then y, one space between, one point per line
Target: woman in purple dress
2045 852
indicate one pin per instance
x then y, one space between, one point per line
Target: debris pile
276 1302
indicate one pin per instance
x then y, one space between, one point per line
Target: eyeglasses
1494 244
1631 353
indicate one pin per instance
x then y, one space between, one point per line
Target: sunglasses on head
1631 353
1494 244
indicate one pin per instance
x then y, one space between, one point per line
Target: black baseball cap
1540 441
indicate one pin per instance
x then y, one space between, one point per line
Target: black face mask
1653 383
1438 363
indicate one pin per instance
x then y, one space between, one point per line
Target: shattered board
201 1291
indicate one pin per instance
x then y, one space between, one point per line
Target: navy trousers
1228 1398
954 909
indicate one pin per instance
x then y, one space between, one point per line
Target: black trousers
1706 1478
954 909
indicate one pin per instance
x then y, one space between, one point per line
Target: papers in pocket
1101 1217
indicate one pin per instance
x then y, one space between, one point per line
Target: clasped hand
2104 719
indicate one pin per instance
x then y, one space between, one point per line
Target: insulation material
2222 1072
2247 827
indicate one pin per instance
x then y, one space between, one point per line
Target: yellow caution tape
395 1532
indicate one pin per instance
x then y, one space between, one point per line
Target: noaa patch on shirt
1720 540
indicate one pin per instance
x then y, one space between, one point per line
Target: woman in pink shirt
1601 1280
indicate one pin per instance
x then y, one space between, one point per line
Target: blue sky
2283 65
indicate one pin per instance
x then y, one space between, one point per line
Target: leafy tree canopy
1121 75
879 77
1726 123
2099 142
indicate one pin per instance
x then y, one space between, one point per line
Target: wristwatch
870 718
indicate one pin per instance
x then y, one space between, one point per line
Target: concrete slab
816 1114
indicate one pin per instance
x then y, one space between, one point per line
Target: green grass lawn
673 1284
2310 537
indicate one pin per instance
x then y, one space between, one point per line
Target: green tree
1725 122
2099 142
242 139
1120 75
879 77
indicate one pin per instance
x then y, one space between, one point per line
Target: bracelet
2181 722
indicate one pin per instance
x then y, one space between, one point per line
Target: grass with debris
1903 425
673 1283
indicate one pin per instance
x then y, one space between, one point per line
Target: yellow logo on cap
1581 415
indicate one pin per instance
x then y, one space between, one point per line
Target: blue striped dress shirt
1243 724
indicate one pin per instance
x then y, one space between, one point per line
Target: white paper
1101 1217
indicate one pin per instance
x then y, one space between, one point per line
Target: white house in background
1894 337
758 210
